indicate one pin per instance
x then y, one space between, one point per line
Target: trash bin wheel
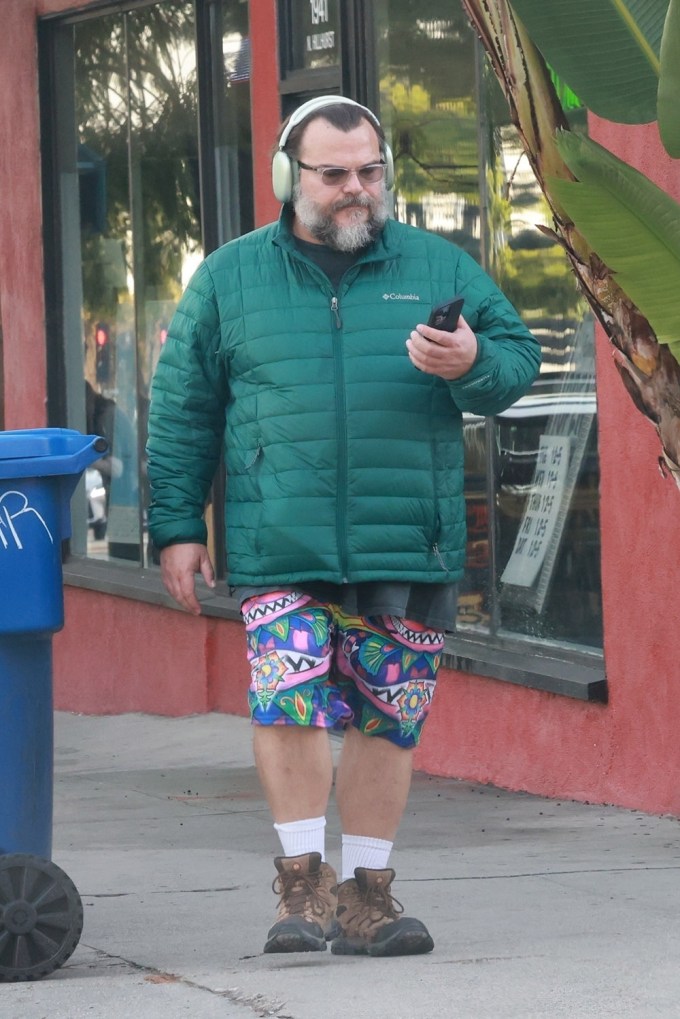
41 917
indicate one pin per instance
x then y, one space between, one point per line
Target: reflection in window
130 193
136 123
460 171
428 108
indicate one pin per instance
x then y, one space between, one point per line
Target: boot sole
293 943
296 939
413 941
413 945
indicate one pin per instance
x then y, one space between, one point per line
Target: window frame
52 92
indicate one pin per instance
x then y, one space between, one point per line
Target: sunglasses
336 176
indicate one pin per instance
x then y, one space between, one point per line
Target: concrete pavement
538 908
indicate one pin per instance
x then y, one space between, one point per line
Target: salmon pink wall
21 288
116 655
264 93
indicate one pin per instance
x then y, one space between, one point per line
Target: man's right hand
179 566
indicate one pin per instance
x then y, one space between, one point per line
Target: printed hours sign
542 512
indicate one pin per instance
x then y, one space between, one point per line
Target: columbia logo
401 297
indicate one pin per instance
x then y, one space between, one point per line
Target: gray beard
341 237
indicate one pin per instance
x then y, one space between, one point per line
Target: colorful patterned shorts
312 665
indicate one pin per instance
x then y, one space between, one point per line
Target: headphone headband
312 106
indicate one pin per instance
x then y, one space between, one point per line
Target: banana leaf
669 82
633 226
606 50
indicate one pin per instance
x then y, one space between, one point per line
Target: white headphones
285 171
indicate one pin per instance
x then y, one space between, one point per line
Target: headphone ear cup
282 176
389 168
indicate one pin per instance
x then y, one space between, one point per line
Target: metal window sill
548 667
142 585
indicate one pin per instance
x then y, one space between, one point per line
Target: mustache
353 202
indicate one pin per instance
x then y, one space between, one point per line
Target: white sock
361 851
305 836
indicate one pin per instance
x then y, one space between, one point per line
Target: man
304 346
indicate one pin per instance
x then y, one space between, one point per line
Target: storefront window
132 223
531 474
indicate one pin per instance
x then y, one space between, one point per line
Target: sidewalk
537 908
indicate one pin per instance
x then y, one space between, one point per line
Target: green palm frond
633 226
669 82
606 50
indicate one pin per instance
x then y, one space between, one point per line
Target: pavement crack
539 873
196 891
258 1004
162 891
485 959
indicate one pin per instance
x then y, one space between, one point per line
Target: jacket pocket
251 456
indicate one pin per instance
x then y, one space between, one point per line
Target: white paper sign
541 512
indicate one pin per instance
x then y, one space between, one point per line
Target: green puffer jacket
344 463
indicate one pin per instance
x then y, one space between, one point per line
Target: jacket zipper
476 382
250 462
341 412
335 308
438 555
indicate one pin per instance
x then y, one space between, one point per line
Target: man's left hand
448 355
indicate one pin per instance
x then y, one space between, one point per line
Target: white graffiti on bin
11 510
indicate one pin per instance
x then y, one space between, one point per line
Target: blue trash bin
40 909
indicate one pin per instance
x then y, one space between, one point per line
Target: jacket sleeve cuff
179 533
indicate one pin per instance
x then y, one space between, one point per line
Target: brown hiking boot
370 919
305 919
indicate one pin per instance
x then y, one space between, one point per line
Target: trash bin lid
42 452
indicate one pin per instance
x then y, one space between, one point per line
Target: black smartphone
445 316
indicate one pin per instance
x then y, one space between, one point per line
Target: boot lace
380 903
300 895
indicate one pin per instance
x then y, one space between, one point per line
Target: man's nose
353 184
